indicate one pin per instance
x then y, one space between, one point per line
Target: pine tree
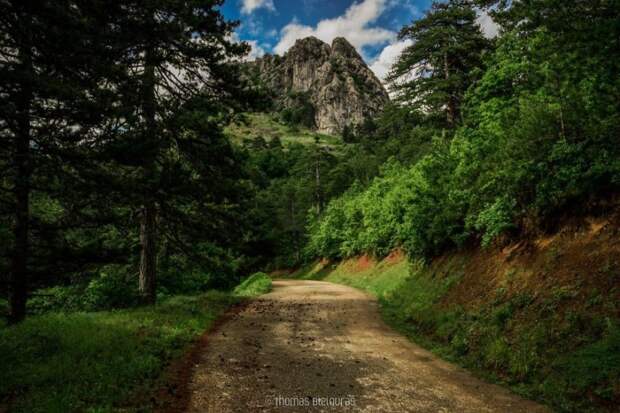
174 51
50 92
435 71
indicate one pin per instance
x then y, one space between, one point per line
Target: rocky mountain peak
342 47
309 46
336 80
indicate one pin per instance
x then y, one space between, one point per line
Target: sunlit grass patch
74 362
256 284
266 126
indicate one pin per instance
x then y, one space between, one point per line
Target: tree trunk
148 253
317 177
451 104
18 277
19 260
295 233
148 226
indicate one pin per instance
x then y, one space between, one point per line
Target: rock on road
318 346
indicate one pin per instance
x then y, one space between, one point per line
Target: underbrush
573 365
569 360
64 361
115 287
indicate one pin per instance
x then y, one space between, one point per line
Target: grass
254 125
104 361
380 280
570 361
256 284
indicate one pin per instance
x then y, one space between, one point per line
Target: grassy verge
544 347
569 360
96 361
100 361
264 125
256 284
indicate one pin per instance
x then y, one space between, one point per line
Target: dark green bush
299 110
113 288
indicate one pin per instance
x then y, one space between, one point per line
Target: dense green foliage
129 174
538 137
443 60
101 361
113 159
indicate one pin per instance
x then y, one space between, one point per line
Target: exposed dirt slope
541 315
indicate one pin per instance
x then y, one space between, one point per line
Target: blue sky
272 26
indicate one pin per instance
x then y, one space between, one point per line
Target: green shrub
60 298
595 366
113 288
256 284
299 111
497 354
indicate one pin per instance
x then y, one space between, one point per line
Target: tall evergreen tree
173 51
48 105
435 71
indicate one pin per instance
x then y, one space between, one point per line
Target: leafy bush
113 288
594 366
59 298
407 207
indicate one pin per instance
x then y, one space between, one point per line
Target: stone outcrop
337 81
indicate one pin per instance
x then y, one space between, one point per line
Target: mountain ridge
335 79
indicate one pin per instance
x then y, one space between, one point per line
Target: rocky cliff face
339 84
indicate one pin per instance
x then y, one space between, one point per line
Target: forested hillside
116 176
144 162
508 216
526 130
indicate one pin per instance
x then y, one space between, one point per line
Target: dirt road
317 346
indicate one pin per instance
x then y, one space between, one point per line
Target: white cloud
256 52
353 25
382 65
488 25
248 6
